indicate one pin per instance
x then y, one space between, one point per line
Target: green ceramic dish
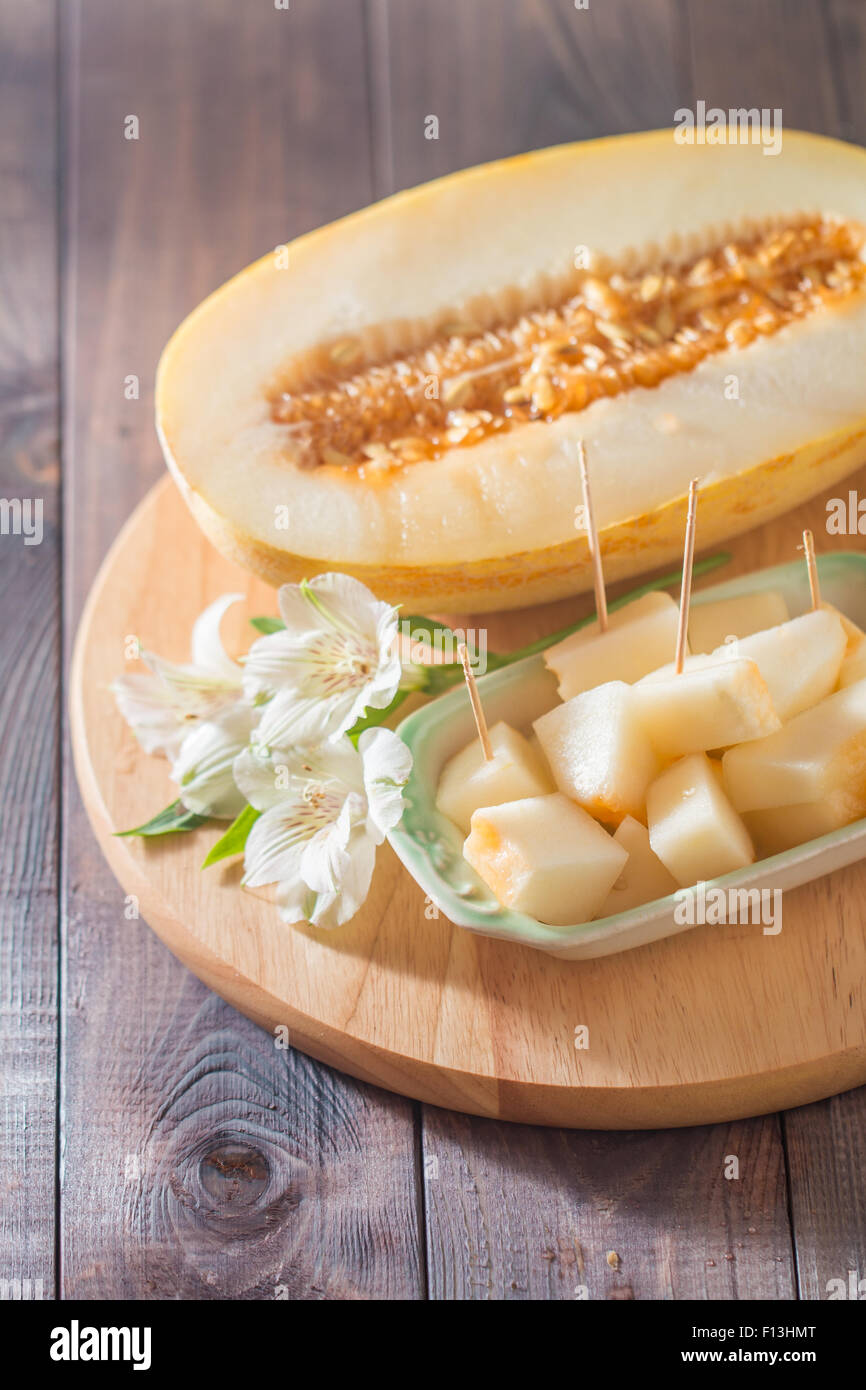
431 846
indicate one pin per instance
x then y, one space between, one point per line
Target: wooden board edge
523 1102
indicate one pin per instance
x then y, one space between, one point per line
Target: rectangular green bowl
431 846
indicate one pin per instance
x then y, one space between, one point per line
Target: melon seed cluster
614 333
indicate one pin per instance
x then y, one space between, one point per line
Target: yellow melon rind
493 526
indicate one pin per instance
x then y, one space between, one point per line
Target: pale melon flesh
709 705
469 780
640 636
799 659
644 877
693 828
599 752
819 752
855 635
546 857
783 827
853 668
717 620
493 524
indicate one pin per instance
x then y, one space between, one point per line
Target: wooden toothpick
594 547
688 563
475 701
812 567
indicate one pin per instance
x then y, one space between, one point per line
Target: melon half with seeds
399 395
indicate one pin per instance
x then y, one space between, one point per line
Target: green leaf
173 819
428 626
233 841
268 625
372 718
442 676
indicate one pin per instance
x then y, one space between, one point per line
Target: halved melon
399 395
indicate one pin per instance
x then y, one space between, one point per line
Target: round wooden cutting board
718 1023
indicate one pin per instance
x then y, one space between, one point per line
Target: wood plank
844 41
512 1207
29 647
773 55
200 1160
519 1213
504 80
824 1145
808 60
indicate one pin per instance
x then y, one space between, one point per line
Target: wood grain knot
234 1174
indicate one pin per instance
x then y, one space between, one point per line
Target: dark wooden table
154 1144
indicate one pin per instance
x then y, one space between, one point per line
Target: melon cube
599 753
853 667
782 827
535 744
546 857
644 877
693 828
854 662
708 705
800 659
640 636
716 767
823 750
713 622
855 635
469 780
691 663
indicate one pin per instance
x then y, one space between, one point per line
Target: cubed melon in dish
644 878
469 780
854 634
716 768
800 659
546 857
783 827
853 668
599 752
822 751
691 663
713 622
535 744
854 662
640 636
706 706
693 828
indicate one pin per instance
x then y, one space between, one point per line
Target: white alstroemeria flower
203 769
324 811
336 657
160 705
